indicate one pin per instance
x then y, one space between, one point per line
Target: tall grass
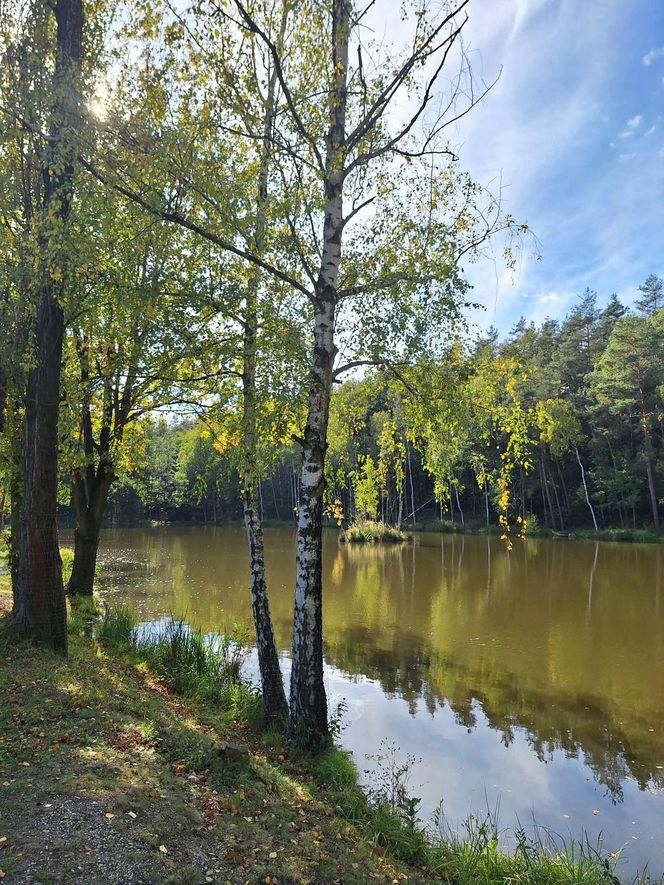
205 666
475 855
387 815
192 662
117 628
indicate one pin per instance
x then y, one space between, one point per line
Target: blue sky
574 129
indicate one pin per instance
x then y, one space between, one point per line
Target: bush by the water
369 532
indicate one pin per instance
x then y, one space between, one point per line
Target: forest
227 294
237 244
234 286
587 414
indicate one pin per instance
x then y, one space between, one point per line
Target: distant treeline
589 393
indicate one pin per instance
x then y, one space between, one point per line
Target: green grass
335 766
103 737
137 720
207 667
369 532
117 628
475 855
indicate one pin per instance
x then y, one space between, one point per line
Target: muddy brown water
531 682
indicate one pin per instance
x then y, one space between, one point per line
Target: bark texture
275 707
308 703
39 602
89 494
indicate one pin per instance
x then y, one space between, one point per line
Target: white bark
272 687
308 702
585 488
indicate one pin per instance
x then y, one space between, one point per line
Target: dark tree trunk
39 602
90 497
15 536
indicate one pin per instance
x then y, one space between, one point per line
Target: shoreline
132 777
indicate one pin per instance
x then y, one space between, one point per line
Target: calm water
531 680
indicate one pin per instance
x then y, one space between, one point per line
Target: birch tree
375 221
402 269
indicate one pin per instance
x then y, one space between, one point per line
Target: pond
531 682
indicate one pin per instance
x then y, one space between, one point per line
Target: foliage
369 532
488 430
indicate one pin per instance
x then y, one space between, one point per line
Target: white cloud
650 57
631 126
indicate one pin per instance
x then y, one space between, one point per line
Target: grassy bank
138 758
636 536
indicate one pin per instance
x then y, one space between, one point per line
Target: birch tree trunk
308 703
39 602
275 707
585 488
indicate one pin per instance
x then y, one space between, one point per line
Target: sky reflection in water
532 681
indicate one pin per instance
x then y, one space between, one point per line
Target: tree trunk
648 457
308 703
412 488
275 707
15 535
585 488
39 602
274 697
90 498
456 493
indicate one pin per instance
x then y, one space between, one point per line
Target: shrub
368 532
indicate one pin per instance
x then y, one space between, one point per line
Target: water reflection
555 649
